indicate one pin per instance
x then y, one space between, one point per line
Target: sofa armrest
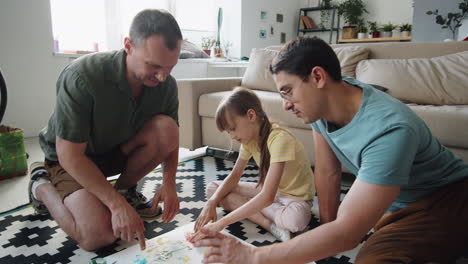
190 91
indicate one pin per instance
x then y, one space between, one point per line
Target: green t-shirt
95 105
387 143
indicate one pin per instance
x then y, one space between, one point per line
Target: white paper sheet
167 248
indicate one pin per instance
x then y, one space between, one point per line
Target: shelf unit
374 40
335 19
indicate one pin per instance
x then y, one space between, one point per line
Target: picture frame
279 18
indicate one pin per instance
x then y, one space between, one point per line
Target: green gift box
13 160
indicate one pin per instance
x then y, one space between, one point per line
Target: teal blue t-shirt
387 143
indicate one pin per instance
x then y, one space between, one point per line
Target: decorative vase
370 35
376 34
405 33
386 34
396 33
218 53
361 35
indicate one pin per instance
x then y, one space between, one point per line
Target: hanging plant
325 14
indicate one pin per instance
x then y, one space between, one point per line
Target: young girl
281 200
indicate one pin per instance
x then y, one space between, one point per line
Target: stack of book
307 22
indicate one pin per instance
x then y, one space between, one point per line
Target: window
78 25
91 25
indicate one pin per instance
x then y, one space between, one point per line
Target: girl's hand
208 228
207 214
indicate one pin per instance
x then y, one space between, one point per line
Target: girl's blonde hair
239 103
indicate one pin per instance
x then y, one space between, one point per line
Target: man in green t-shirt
116 113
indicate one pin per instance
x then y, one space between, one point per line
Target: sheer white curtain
80 24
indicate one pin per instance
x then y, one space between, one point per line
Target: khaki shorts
110 164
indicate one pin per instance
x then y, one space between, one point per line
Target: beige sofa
432 78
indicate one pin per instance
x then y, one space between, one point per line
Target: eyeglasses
287 92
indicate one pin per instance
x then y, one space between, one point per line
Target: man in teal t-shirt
408 186
116 113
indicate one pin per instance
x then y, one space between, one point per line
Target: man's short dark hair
155 22
299 56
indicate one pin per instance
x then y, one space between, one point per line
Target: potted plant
453 20
373 29
207 44
405 30
351 10
325 13
387 30
362 30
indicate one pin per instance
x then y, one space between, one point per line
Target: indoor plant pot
405 33
349 32
386 34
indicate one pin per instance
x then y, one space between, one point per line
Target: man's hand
127 224
225 249
168 194
207 214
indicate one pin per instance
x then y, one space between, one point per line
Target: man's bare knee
96 241
92 227
164 134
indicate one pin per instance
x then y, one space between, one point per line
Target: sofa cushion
447 122
271 102
258 76
349 57
438 81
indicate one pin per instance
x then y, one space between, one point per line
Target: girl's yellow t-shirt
297 179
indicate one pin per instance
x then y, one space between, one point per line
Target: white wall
251 23
384 11
27 63
463 30
424 26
